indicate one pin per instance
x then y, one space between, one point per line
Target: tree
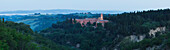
75 20
71 20
94 24
88 24
3 46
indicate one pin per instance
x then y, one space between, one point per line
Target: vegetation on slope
107 37
67 36
18 36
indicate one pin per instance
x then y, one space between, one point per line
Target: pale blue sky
123 5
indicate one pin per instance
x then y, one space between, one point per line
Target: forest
68 36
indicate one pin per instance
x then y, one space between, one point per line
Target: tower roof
101 17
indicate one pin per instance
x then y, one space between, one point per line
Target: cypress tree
74 20
0 20
71 20
3 20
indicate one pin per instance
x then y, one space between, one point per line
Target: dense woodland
18 36
68 36
114 32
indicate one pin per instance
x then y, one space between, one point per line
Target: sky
121 5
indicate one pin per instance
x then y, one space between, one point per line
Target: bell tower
101 17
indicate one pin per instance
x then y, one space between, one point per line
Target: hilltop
127 31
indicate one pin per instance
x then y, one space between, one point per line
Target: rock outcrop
135 38
159 29
138 38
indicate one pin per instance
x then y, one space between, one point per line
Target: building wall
92 20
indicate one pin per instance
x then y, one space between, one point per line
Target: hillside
145 30
18 36
127 31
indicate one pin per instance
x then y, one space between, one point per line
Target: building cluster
83 13
83 22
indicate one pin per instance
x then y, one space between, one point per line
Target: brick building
92 20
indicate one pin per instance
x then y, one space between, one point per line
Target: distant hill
43 21
59 11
